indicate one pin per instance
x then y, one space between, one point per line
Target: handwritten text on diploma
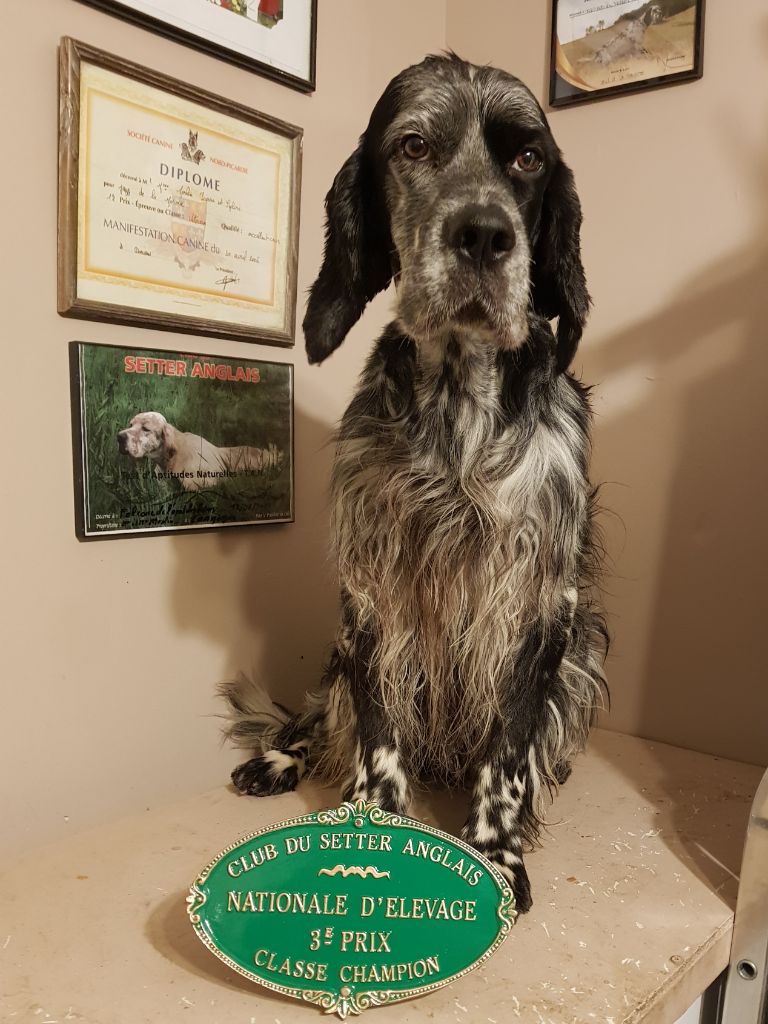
185 210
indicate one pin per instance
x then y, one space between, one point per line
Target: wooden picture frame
210 31
599 51
178 209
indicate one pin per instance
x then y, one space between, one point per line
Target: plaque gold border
72 53
348 1003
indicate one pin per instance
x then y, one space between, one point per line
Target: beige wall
674 185
111 650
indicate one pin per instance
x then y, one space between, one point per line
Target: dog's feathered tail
281 740
254 720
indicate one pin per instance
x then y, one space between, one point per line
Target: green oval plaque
351 908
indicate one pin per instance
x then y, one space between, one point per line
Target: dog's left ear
559 288
357 262
169 448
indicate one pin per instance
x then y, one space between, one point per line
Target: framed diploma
177 209
275 38
170 441
606 49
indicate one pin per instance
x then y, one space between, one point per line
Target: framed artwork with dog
274 38
178 209
601 50
170 441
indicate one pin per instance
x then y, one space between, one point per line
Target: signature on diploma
228 279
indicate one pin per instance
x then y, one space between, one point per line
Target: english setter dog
190 458
470 649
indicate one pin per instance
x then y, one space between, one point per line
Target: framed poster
170 441
276 38
605 49
177 209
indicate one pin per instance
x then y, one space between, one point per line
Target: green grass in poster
126 494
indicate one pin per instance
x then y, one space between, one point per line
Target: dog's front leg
496 822
505 811
378 775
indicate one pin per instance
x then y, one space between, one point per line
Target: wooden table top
634 889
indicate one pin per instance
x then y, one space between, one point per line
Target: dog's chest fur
442 518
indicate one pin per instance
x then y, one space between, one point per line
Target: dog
190 150
629 40
471 645
627 43
189 458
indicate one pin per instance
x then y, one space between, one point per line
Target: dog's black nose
122 442
484 235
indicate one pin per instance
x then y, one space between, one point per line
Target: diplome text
351 908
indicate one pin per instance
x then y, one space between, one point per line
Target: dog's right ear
357 262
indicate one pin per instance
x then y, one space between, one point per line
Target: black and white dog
469 648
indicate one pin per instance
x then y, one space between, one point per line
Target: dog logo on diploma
190 150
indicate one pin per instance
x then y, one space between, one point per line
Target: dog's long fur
469 648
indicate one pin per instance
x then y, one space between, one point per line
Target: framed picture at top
276 38
178 209
604 49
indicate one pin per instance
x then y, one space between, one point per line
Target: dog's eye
415 147
528 160
145 429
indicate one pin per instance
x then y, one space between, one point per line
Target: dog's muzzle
122 442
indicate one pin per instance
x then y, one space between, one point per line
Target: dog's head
458 191
147 435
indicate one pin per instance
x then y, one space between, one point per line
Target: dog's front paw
265 776
515 875
510 866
